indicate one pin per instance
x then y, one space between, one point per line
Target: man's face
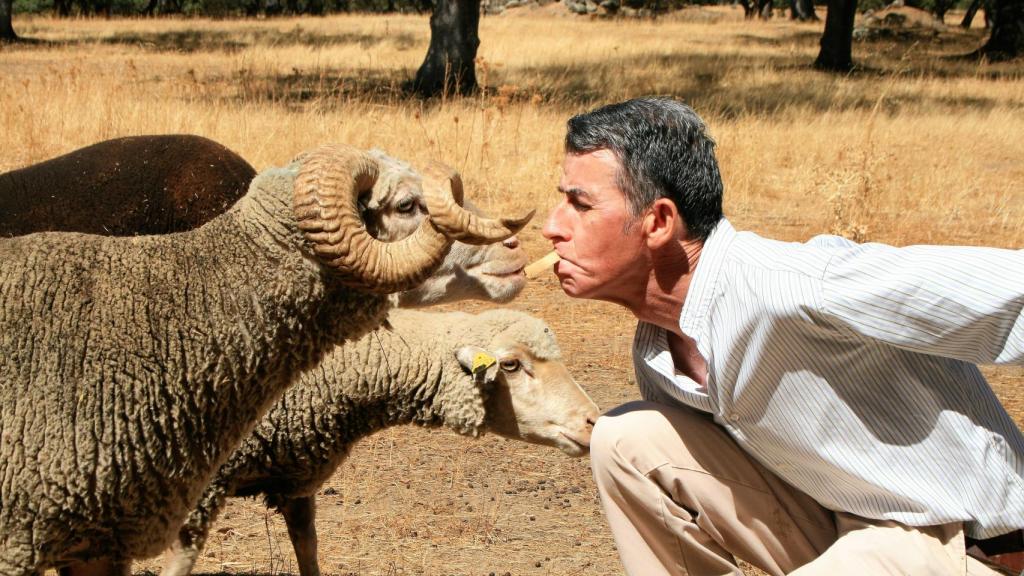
601 259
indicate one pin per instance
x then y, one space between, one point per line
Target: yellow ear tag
482 361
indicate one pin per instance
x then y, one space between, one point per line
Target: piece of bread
541 266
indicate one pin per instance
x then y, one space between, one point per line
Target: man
809 408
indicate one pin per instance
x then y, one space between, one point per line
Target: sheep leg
192 536
182 559
300 515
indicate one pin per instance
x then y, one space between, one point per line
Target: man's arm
953 301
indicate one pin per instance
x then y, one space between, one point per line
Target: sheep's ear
479 362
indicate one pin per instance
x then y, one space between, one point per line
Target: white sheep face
394 209
533 399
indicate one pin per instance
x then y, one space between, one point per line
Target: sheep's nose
511 242
587 431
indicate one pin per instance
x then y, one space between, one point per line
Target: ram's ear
479 362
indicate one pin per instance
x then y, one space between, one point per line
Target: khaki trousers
682 498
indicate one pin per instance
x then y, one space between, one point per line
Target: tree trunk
764 9
6 28
748 9
939 10
802 10
1007 39
837 41
972 10
807 6
450 65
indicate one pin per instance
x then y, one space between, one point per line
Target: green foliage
32 6
226 8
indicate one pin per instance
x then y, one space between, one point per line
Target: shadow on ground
327 88
799 37
193 40
711 81
243 573
27 42
707 80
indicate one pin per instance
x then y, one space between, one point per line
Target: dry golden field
919 147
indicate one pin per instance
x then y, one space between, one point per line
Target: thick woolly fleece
130 368
405 373
125 187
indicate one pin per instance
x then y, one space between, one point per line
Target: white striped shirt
849 371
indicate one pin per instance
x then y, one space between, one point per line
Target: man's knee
620 424
623 436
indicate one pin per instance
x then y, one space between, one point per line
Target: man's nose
553 229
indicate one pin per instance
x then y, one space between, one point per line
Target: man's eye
579 205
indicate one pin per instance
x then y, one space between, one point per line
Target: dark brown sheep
125 187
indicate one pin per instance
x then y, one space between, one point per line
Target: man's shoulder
756 254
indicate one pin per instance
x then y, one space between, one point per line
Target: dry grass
920 147
799 148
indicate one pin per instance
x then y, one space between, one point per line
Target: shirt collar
704 284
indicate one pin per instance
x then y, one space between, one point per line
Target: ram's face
394 209
491 272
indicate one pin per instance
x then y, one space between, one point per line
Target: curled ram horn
443 185
326 204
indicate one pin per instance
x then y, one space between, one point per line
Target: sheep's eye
406 206
510 365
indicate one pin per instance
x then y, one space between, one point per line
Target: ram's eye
510 365
406 206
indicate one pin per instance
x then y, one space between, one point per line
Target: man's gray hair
664 151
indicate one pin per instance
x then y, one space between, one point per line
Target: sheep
392 210
124 187
131 367
172 183
500 370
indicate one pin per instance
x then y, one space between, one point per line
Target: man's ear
662 223
479 362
